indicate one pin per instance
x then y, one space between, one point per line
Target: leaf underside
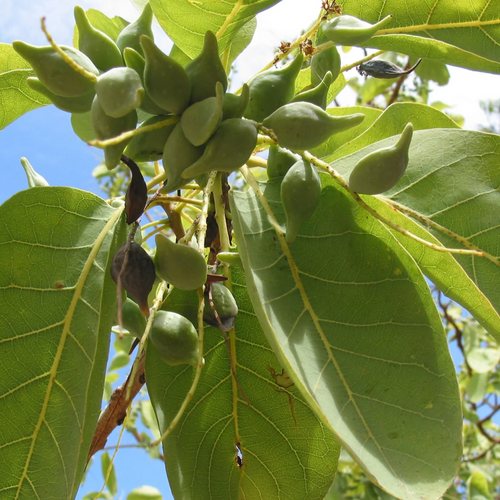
286 451
54 336
355 325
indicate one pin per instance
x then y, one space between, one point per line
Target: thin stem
132 133
429 222
220 217
202 223
67 59
256 161
374 213
199 367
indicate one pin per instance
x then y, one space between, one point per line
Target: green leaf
483 359
453 180
462 34
356 327
82 126
338 140
436 71
286 451
441 268
392 121
477 386
239 42
107 465
57 303
120 359
373 87
16 97
186 22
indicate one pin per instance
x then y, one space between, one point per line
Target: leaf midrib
308 307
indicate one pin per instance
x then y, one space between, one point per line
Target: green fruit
106 127
227 150
325 61
174 339
54 72
34 178
279 161
234 105
165 79
135 270
98 46
272 89
317 95
131 34
149 146
224 304
178 155
135 61
349 30
145 493
300 195
302 125
181 265
381 170
200 120
206 70
132 318
120 91
379 68
80 104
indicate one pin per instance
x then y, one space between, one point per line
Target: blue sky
45 137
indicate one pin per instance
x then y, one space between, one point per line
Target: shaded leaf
443 270
286 451
356 328
57 309
16 96
453 179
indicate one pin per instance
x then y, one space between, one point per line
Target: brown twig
114 414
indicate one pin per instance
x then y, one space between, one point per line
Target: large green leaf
286 451
57 304
391 122
186 22
453 179
465 34
355 325
16 97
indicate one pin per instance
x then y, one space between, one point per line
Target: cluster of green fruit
205 128
173 336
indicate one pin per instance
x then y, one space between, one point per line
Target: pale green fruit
181 265
174 339
381 170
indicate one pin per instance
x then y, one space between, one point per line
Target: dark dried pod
379 68
137 192
135 270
